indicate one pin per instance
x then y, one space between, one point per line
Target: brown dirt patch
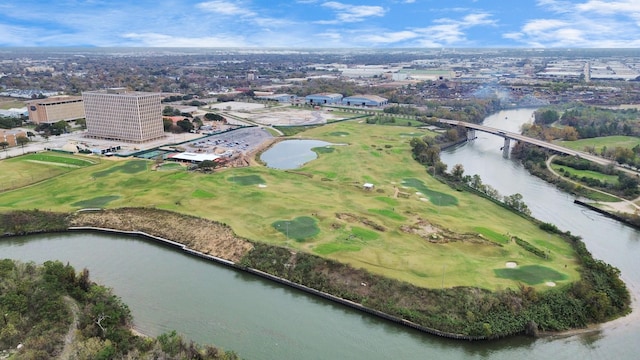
354 218
435 234
202 235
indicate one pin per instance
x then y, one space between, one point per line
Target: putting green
247 180
299 229
530 274
129 167
436 197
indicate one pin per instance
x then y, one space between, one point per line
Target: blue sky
321 23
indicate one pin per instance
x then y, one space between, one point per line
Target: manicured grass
299 229
531 274
436 197
201 194
323 149
57 159
334 247
170 166
611 142
335 187
388 213
96 202
339 133
247 180
492 235
129 167
388 200
28 169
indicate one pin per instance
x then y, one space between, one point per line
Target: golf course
409 227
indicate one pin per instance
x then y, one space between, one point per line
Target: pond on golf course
291 154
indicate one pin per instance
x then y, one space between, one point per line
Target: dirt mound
202 235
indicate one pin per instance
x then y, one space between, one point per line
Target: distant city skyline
322 24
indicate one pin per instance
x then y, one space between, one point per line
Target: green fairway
531 274
320 208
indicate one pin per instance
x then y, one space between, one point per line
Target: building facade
11 136
119 114
323 99
54 109
365 100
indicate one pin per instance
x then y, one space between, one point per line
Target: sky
322 24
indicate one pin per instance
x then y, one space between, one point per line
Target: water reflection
291 154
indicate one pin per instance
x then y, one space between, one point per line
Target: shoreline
216 242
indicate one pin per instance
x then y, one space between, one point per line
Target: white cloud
591 23
351 13
610 7
388 37
225 8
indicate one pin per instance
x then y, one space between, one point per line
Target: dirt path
71 334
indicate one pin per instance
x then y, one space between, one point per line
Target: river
208 303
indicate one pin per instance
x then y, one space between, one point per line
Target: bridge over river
508 136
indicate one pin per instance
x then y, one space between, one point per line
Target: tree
22 141
185 125
61 126
4 145
167 124
82 123
457 171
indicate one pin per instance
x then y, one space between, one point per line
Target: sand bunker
511 264
550 283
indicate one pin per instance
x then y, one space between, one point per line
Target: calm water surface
167 290
291 154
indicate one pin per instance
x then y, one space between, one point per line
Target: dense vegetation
470 111
31 221
42 304
576 121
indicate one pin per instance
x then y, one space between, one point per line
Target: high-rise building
54 109
118 114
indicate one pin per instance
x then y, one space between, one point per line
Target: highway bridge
508 136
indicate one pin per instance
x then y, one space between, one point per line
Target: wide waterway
209 303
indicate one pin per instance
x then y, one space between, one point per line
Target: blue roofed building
323 99
282 98
365 100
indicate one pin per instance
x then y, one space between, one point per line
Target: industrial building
119 114
323 99
365 100
54 109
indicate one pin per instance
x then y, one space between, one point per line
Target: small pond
291 154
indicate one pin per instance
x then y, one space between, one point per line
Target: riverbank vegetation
409 229
50 311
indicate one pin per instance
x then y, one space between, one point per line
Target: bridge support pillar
505 147
471 134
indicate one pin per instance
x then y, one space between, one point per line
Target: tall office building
118 114
55 108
